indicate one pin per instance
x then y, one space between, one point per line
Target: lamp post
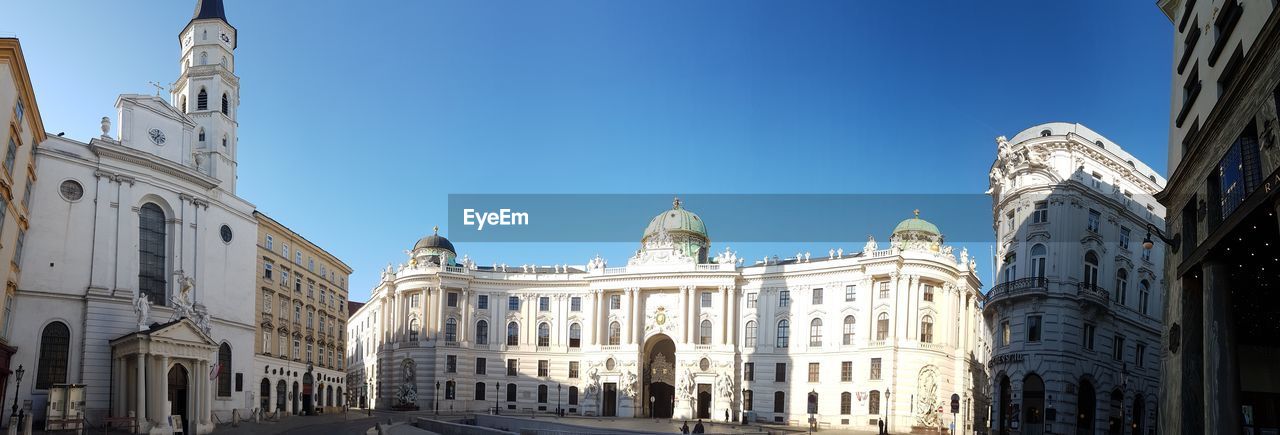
436 398
887 403
18 381
497 391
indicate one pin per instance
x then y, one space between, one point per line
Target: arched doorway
1032 405
1086 409
282 390
1139 414
264 395
178 394
294 395
1115 423
308 386
1005 407
659 376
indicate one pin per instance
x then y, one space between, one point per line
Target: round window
704 364
71 190
226 234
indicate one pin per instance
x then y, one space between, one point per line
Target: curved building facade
1075 313
885 332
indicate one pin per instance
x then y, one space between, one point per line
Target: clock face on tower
157 136
226 38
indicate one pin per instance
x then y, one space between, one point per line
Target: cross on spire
675 203
917 212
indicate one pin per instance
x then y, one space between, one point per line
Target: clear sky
358 118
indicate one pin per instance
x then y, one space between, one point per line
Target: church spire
209 9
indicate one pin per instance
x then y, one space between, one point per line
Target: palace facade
892 332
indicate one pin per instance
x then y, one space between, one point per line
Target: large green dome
915 224
676 220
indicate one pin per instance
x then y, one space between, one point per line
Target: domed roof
676 220
434 241
915 224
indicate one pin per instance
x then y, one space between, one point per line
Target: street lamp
887 404
18 382
652 399
497 390
1174 243
436 398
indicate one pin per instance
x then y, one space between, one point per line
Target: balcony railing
1093 293
1018 287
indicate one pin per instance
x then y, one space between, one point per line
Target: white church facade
139 255
886 332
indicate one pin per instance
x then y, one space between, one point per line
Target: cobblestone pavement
354 422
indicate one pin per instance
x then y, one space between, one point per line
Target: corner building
1075 314
680 332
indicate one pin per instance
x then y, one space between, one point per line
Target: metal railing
1093 293
1017 287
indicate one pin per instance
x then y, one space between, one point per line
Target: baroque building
1221 330
23 130
1075 312
892 332
140 256
302 297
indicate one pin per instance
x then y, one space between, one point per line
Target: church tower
208 90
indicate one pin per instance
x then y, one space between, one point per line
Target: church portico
159 374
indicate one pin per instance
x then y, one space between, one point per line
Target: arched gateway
659 376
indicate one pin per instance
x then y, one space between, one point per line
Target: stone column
625 318
1221 375
162 408
691 315
895 313
594 304
438 312
464 324
684 299
104 236
731 315
140 390
722 307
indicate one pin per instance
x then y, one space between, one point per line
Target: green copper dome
676 220
916 224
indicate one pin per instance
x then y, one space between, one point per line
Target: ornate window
784 334
575 335
450 330
704 332
847 332
873 403
55 345
928 293
413 329
615 333
1144 295
1091 269
224 370
846 403
544 334
926 329
815 332
513 334
1122 286
151 253
1038 253
751 334
882 326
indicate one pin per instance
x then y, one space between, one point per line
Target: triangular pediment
157 105
184 331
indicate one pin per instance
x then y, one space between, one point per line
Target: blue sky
357 119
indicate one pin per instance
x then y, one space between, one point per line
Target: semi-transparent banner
961 218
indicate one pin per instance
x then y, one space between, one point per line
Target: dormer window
1044 133
202 100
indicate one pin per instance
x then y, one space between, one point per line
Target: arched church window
55 345
151 253
544 334
450 330
704 332
847 332
226 106
784 334
513 334
926 329
224 370
751 334
413 329
615 333
202 100
482 332
815 332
